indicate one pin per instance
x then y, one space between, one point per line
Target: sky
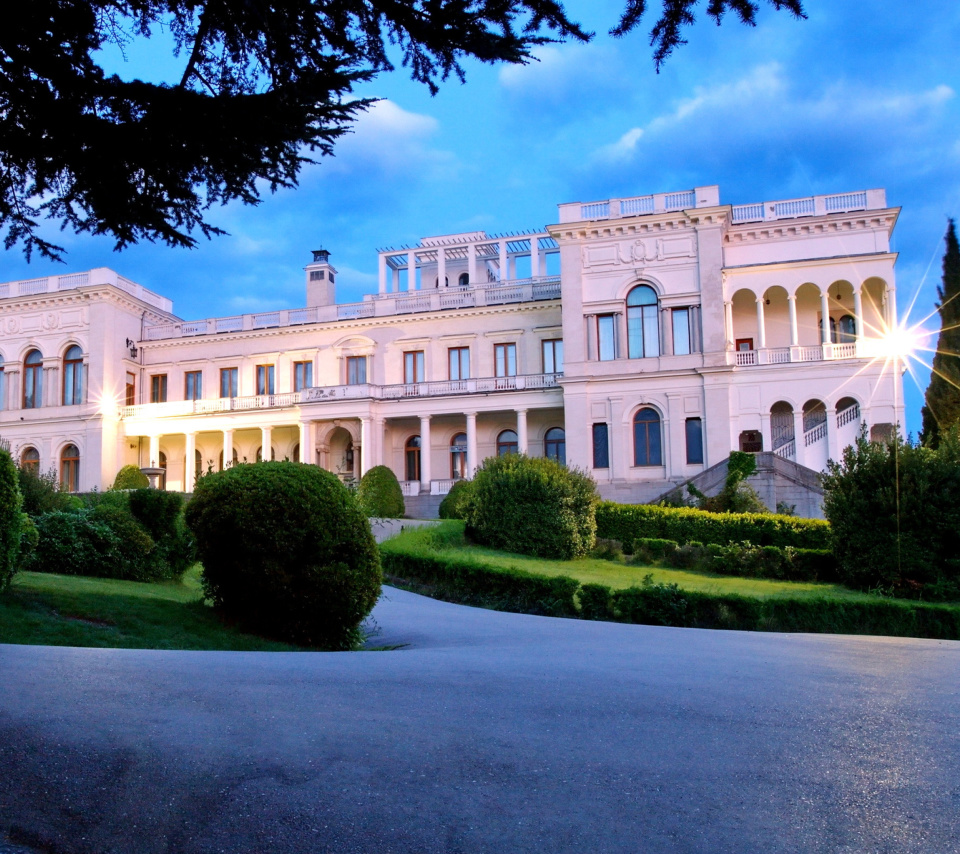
860 95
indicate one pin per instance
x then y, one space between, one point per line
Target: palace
641 339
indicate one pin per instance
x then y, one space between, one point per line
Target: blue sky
860 95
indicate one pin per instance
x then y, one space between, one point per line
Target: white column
306 455
382 273
190 467
366 445
265 441
395 280
833 435
504 274
227 448
761 327
441 267
798 442
154 452
471 443
765 431
522 431
472 264
425 474
825 315
857 315
794 332
534 257
411 270
891 308
728 319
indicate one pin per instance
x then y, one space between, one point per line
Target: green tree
942 407
265 85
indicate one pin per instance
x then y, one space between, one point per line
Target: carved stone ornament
12 325
50 320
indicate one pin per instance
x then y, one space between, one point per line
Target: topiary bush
11 522
453 505
379 493
286 552
532 505
130 477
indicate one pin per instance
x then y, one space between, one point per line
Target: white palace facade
641 339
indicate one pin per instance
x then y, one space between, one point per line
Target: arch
458 456
751 441
70 468
643 323
746 332
814 414
72 370
464 280
507 443
647 444
782 424
30 459
411 458
273 453
236 459
846 329
436 281
33 380
808 314
555 444
848 410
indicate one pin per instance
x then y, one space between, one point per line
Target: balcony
321 394
864 349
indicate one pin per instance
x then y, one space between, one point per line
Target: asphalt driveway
488 732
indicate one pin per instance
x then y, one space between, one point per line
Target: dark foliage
11 519
453 505
161 515
286 551
264 86
737 496
379 493
42 492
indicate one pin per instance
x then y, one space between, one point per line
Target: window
646 439
411 454
464 280
198 465
643 323
601 448
694 430
193 385
507 443
356 370
744 345
296 453
73 376
70 468
266 379
33 380
302 375
316 275
606 339
236 459
130 390
848 330
459 363
505 360
458 456
229 382
555 444
158 388
413 366
681 332
273 454
552 356
30 459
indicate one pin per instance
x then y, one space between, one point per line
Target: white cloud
557 72
622 148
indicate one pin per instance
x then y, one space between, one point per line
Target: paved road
488 733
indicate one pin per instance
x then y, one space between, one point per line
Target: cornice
812 226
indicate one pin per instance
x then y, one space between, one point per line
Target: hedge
630 522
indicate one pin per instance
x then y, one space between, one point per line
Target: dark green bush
11 523
607 550
161 514
42 492
532 505
130 477
286 552
737 496
650 549
28 537
596 602
380 495
453 504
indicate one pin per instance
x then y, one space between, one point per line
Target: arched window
30 460
436 281
33 380
833 329
236 459
411 455
273 453
848 330
198 469
507 443
643 323
458 456
555 444
646 439
70 468
296 453
464 280
162 463
73 376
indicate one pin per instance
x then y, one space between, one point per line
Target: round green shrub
453 504
286 552
532 505
11 523
380 495
130 477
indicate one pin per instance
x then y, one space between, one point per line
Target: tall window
848 330
601 447
694 431
158 388
273 454
464 280
681 331
73 376
130 389
356 370
643 323
458 456
302 375
646 439
606 337
505 360
413 366
229 382
70 468
459 363
266 379
33 380
507 443
411 454
552 356
30 459
555 444
193 385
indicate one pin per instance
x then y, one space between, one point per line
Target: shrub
286 551
42 492
532 505
161 514
379 493
453 505
130 477
11 523
28 537
737 496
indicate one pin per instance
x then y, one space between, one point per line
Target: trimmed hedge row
630 522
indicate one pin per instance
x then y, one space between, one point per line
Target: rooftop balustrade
810 206
72 281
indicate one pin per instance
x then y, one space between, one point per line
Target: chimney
321 282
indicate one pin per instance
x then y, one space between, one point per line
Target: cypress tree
942 408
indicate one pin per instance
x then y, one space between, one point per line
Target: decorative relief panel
639 252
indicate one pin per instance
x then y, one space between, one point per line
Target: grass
67 610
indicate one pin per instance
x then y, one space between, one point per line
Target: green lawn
66 610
